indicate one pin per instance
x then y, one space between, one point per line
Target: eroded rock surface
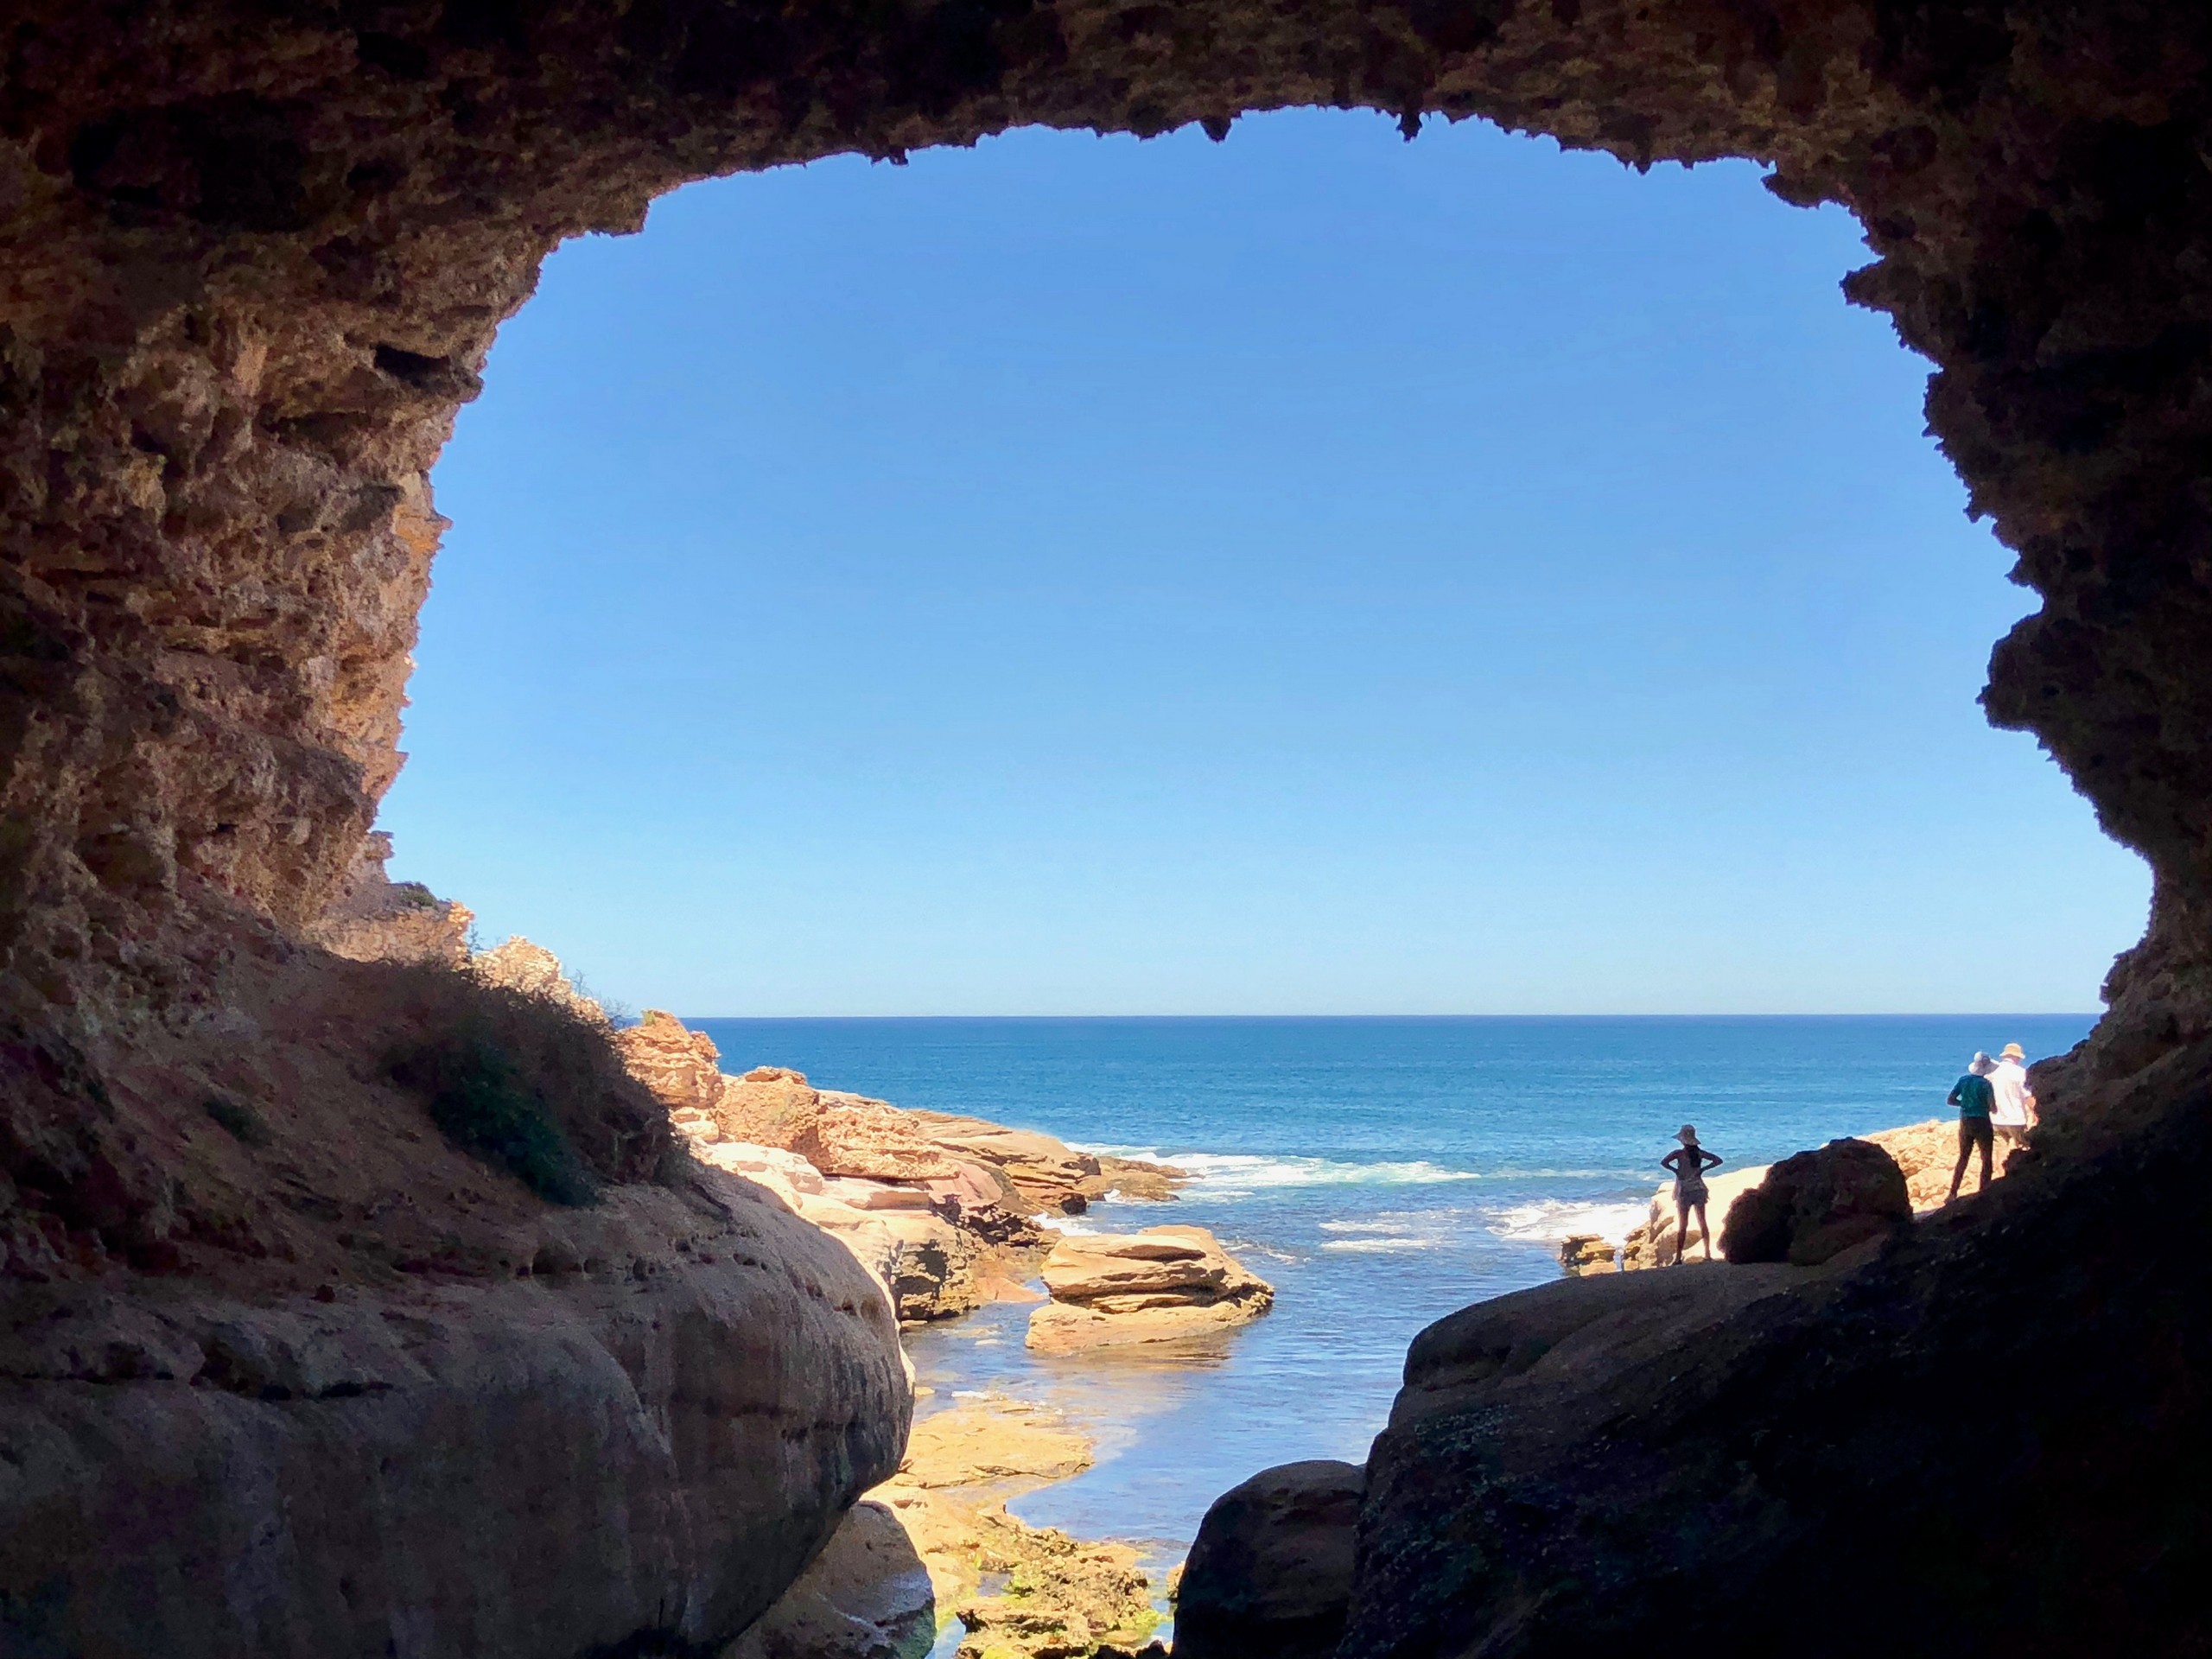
1161 1285
254 260
647 1437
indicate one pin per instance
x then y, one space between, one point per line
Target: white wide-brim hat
1687 1134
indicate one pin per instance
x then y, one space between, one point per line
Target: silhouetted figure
1688 1162
1975 1100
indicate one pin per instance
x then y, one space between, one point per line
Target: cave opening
1253 532
336 1387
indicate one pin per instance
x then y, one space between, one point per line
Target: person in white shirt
2016 1103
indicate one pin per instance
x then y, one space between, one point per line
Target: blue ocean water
1381 1173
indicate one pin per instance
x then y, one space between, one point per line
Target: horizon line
1964 1014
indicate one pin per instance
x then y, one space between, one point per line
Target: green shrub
481 1102
238 1120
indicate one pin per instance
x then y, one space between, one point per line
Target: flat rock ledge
1160 1285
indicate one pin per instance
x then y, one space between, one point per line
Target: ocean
1380 1173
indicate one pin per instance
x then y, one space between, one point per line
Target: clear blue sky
1311 573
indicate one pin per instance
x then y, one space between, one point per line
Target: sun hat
1982 1066
2014 1051
1687 1134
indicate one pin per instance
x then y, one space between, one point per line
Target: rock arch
256 251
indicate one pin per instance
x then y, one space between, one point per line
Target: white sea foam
1379 1246
1239 1174
1549 1220
1066 1224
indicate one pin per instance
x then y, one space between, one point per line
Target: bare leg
1682 1234
1705 1228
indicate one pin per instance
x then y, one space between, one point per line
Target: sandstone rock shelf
1165 1284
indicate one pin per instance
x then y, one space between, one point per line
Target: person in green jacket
1975 1100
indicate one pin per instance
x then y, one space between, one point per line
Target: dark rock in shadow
1270 1571
1812 1207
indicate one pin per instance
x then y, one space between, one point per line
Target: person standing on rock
1688 1162
1975 1100
2016 1102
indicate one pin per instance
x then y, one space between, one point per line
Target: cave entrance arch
625 447
256 254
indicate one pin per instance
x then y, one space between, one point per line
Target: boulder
643 1440
1817 1205
1271 1570
680 1065
1166 1283
1586 1253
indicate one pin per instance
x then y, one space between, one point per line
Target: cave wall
253 256
257 253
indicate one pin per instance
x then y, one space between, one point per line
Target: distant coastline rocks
1160 1285
938 1207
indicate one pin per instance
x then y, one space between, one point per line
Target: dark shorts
1689 1193
1976 1132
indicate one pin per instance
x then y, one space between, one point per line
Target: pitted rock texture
257 253
378 920
254 254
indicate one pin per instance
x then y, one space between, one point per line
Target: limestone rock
1057 1594
1162 1284
866 1596
1270 1572
534 971
1817 1205
839 1134
680 1065
650 1433
1051 1176
1586 1253
374 918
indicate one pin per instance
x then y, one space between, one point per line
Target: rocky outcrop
1160 1285
374 918
256 257
1589 1253
680 1067
520 965
1270 1572
1812 1207
1530 1494
643 1439
1048 1176
1922 1152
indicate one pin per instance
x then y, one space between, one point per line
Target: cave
281 1373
